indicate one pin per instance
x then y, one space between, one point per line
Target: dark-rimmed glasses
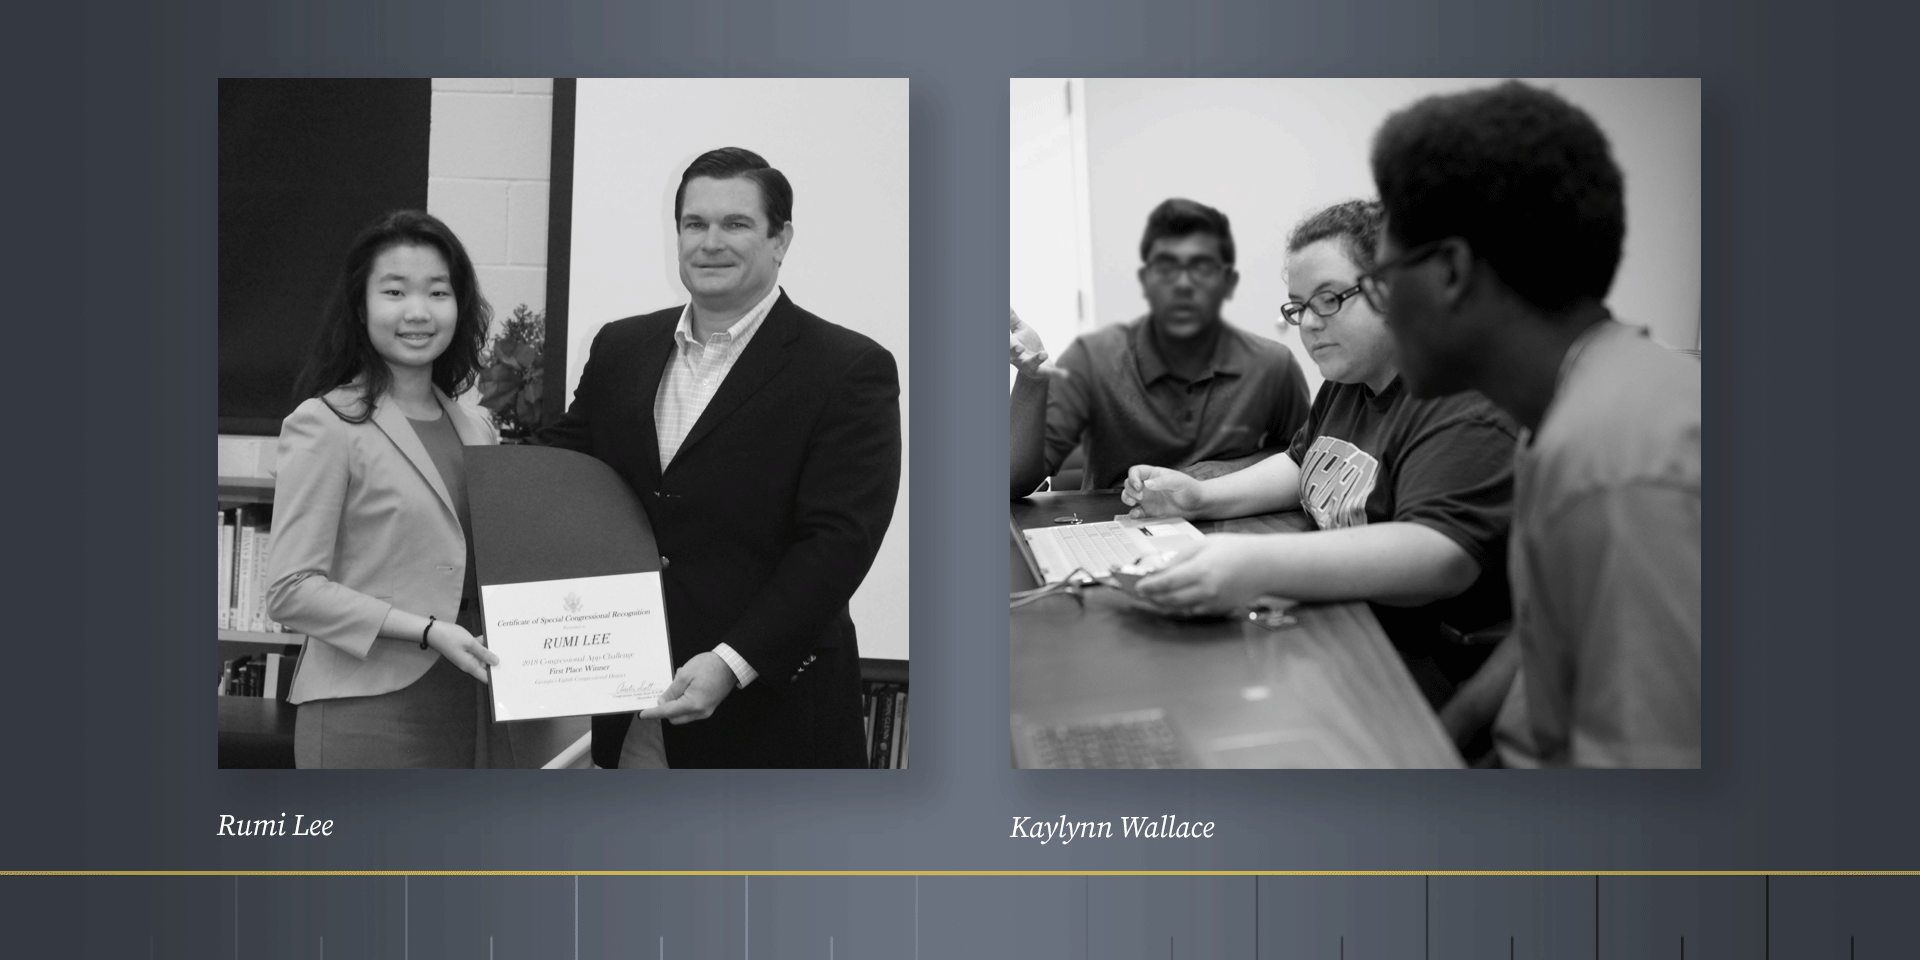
1326 303
1373 284
1202 269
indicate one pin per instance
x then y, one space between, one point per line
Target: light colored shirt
694 374
1605 563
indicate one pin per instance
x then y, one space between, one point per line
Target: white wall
842 144
1050 270
1267 152
487 177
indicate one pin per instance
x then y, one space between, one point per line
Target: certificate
577 646
569 584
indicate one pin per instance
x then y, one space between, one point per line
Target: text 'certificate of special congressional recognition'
577 646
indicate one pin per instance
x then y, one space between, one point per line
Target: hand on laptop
1220 574
1160 492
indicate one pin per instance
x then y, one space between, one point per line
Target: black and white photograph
1355 423
562 423
1352 423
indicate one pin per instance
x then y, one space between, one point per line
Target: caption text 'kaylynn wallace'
1164 827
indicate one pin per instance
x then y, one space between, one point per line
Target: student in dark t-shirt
1411 497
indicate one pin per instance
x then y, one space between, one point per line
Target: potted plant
512 374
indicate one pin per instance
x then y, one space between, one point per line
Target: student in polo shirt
1410 496
1178 388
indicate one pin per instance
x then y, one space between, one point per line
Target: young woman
1410 497
371 555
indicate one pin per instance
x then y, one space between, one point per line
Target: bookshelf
253 731
883 695
235 491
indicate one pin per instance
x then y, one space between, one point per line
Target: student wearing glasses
1178 388
1506 216
1409 497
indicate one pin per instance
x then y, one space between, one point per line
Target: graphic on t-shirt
1336 478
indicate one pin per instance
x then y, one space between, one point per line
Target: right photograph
1354 423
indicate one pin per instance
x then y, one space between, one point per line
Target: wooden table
1327 692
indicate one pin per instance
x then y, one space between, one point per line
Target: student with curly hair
1505 220
1409 496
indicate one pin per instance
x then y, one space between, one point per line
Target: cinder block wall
487 174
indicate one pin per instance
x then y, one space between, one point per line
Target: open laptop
1099 547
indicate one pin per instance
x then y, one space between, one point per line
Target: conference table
1328 690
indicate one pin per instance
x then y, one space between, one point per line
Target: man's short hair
1525 177
1354 223
728 163
1180 218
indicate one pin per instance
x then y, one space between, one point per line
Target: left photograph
559 426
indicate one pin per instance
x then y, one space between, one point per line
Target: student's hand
1160 492
1024 349
697 689
1219 575
462 649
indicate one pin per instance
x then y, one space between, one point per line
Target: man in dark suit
764 443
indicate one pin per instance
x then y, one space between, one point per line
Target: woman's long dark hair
341 351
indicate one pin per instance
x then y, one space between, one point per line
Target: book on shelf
226 569
271 680
899 728
246 537
887 743
262 541
242 612
233 677
882 728
257 675
866 714
884 711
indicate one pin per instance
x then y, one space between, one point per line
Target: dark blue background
1809 330
950 918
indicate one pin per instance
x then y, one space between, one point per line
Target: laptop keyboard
1138 741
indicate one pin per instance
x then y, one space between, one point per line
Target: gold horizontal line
959 873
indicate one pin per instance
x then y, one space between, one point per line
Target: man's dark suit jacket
767 520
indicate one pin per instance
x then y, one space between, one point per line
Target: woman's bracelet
423 632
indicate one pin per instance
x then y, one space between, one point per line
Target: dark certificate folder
570 584
542 513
